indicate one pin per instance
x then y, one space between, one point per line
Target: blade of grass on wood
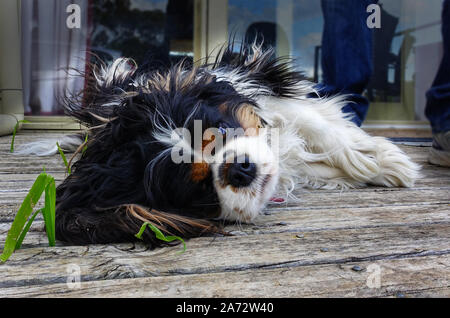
23 214
25 230
63 156
49 210
159 234
14 133
85 144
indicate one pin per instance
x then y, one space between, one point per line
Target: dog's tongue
277 200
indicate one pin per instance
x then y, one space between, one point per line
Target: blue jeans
347 53
438 97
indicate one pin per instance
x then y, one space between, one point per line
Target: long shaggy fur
126 176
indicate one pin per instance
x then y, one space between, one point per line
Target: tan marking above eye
223 108
249 120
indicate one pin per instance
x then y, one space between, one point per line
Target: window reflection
406 50
156 33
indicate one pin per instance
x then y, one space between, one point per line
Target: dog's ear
104 200
106 87
86 216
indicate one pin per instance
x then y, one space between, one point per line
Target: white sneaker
440 151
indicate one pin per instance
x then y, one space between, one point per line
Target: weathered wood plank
409 277
52 165
301 249
313 200
431 177
300 222
335 200
21 140
40 266
367 198
325 219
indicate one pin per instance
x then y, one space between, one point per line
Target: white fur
47 147
245 204
116 72
321 148
318 148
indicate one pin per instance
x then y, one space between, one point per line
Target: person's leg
347 53
438 99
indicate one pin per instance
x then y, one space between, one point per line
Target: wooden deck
331 244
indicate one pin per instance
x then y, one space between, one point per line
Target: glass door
407 48
60 37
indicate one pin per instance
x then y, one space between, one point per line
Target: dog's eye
223 128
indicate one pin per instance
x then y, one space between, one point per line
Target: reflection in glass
406 50
156 33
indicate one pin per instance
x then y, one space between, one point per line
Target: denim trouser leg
347 53
438 97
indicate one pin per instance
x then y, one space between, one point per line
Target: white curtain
49 50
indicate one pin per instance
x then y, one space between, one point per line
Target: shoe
440 150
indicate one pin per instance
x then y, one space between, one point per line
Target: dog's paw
359 166
396 168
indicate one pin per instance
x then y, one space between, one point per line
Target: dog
140 163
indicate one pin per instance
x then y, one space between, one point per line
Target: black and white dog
141 163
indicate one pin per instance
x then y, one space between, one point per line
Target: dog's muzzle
245 177
239 174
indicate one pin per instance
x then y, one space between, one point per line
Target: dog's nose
242 173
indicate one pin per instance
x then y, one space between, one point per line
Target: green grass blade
23 214
14 133
159 235
63 156
85 147
25 230
49 210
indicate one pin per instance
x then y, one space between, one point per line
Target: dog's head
188 141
